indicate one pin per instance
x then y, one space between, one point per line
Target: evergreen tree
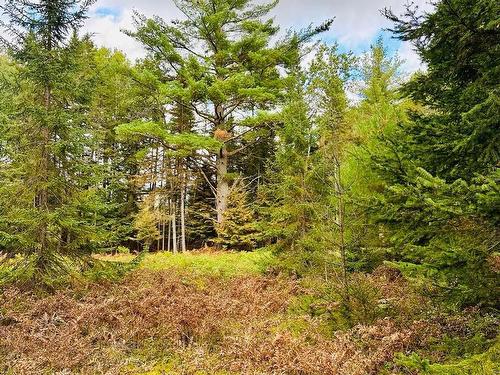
47 194
288 189
117 98
458 136
219 63
146 222
238 229
304 191
373 123
444 166
329 73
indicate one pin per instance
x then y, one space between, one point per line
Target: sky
358 23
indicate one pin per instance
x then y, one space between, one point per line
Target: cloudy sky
357 22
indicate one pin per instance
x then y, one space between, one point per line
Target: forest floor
215 313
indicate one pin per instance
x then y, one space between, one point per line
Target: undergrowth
220 313
20 272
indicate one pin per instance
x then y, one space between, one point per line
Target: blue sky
358 23
103 12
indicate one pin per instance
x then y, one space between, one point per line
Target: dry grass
66 332
170 322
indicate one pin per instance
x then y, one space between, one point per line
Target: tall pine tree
220 63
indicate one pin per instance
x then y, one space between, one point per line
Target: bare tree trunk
183 217
222 184
154 177
169 224
163 235
174 227
159 238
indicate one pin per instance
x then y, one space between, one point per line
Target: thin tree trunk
42 199
163 235
169 225
183 218
342 244
174 227
341 226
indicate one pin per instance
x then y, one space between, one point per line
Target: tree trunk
222 184
42 198
174 227
163 230
341 226
169 225
183 218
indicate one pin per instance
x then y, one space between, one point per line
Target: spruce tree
238 231
329 73
444 167
47 195
369 152
459 42
289 189
303 190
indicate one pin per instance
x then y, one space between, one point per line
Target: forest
247 199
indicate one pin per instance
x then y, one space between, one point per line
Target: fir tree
303 191
448 152
47 193
369 152
238 231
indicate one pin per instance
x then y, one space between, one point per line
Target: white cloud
356 21
411 60
106 31
109 17
356 24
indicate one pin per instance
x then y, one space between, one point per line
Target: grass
198 264
226 264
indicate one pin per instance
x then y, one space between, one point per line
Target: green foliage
459 42
291 194
484 363
185 142
304 193
50 22
221 64
238 230
443 163
112 271
20 271
372 121
99 155
48 202
441 238
146 222
121 92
